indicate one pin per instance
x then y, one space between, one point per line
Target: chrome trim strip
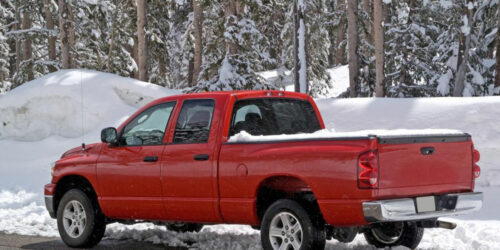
405 209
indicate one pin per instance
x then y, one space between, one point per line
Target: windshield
273 116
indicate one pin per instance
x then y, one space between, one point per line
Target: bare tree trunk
403 75
341 35
64 30
379 48
352 30
463 57
198 42
111 42
142 50
27 51
300 61
18 41
497 82
230 10
51 46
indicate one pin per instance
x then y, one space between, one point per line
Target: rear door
418 165
189 167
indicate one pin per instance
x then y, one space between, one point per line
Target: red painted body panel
224 188
328 167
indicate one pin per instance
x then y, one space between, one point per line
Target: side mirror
109 135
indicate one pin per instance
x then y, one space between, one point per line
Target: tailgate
425 164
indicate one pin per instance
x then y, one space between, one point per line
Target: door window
274 116
148 128
193 124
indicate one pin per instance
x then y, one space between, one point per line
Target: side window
193 124
148 128
248 117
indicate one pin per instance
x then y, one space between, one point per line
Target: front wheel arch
69 182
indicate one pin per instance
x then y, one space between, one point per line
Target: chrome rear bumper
405 209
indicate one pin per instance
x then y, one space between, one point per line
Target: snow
52 105
43 119
325 133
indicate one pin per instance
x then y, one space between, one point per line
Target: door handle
427 150
150 159
201 157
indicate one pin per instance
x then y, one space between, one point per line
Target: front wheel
393 234
287 225
79 221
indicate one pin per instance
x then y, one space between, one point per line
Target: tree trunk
17 26
497 82
64 30
111 41
142 50
230 10
51 46
463 57
198 42
27 51
299 45
403 75
341 35
352 30
379 48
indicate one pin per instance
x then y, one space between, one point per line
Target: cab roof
243 94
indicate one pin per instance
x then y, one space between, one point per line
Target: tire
80 221
184 227
383 235
312 234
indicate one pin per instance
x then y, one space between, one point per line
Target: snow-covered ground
42 119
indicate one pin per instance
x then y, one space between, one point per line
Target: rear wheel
287 226
79 220
393 234
184 227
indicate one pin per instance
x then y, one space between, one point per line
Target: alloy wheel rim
74 219
285 232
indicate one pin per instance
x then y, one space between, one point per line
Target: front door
189 167
129 173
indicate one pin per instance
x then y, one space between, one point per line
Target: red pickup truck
172 163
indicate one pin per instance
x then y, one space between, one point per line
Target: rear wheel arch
279 187
69 182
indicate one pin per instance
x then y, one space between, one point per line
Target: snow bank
478 116
52 105
243 136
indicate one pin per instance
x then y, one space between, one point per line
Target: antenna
82 106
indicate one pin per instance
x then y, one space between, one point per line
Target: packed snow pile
52 104
243 136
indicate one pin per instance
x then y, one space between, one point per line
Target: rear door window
195 119
273 116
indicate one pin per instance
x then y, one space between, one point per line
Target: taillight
476 170
368 170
